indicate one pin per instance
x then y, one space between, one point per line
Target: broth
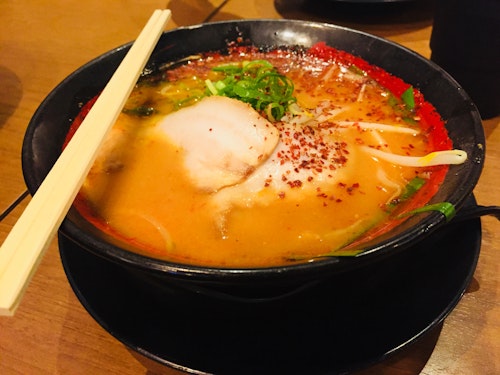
316 191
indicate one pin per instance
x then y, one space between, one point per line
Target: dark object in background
465 41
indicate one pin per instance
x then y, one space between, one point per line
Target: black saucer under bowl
347 323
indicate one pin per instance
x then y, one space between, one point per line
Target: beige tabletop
41 42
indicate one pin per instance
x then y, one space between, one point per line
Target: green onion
141 111
410 190
343 253
357 70
211 87
412 187
257 83
408 98
187 101
446 208
405 106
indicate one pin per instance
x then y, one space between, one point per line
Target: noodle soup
194 175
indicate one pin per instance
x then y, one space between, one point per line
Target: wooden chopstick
26 243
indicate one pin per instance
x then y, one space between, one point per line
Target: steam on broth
203 179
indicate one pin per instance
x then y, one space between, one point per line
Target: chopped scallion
404 107
446 208
411 188
408 98
141 111
257 83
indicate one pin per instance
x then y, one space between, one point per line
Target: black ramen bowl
48 127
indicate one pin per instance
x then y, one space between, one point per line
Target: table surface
41 42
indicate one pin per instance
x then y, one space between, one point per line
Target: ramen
257 158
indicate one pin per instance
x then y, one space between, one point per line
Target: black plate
350 322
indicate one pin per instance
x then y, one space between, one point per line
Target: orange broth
139 192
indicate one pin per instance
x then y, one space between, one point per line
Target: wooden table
41 42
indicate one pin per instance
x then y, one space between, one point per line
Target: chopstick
26 243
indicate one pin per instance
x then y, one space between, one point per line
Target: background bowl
48 127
